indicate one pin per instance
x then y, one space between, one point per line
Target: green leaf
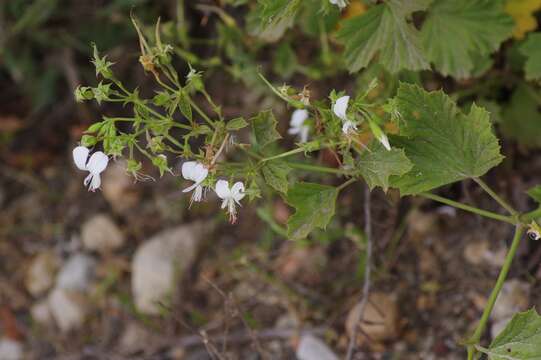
384 29
285 61
457 33
314 205
275 174
444 144
236 124
377 164
275 17
535 193
521 118
532 50
520 340
264 128
184 105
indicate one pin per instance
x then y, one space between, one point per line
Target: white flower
349 126
297 126
95 165
385 141
196 172
379 134
340 3
340 108
230 196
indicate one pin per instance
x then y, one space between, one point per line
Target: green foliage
314 205
444 144
532 50
521 118
377 165
384 30
457 33
264 128
521 339
275 174
535 193
275 17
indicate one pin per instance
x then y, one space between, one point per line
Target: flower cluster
197 172
191 170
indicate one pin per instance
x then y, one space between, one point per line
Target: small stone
159 262
41 313
68 307
118 187
312 348
134 338
101 234
421 223
10 349
380 318
513 298
479 252
76 273
41 273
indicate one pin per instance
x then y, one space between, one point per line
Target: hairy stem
495 196
519 230
472 209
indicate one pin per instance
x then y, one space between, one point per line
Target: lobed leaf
456 33
314 205
521 118
264 128
377 165
444 144
275 174
521 338
383 30
532 50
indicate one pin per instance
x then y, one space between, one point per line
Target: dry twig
366 285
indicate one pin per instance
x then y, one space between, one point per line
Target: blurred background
80 272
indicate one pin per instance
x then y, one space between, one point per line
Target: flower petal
340 107
298 118
222 189
95 183
97 163
304 134
190 188
348 127
80 155
188 170
385 141
200 172
237 191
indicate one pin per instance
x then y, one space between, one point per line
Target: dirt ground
240 291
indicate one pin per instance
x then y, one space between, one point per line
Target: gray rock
513 298
41 313
76 273
68 308
41 273
101 234
10 349
312 348
159 262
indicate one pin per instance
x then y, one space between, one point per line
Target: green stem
472 209
285 154
495 196
532 215
317 168
347 183
476 337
